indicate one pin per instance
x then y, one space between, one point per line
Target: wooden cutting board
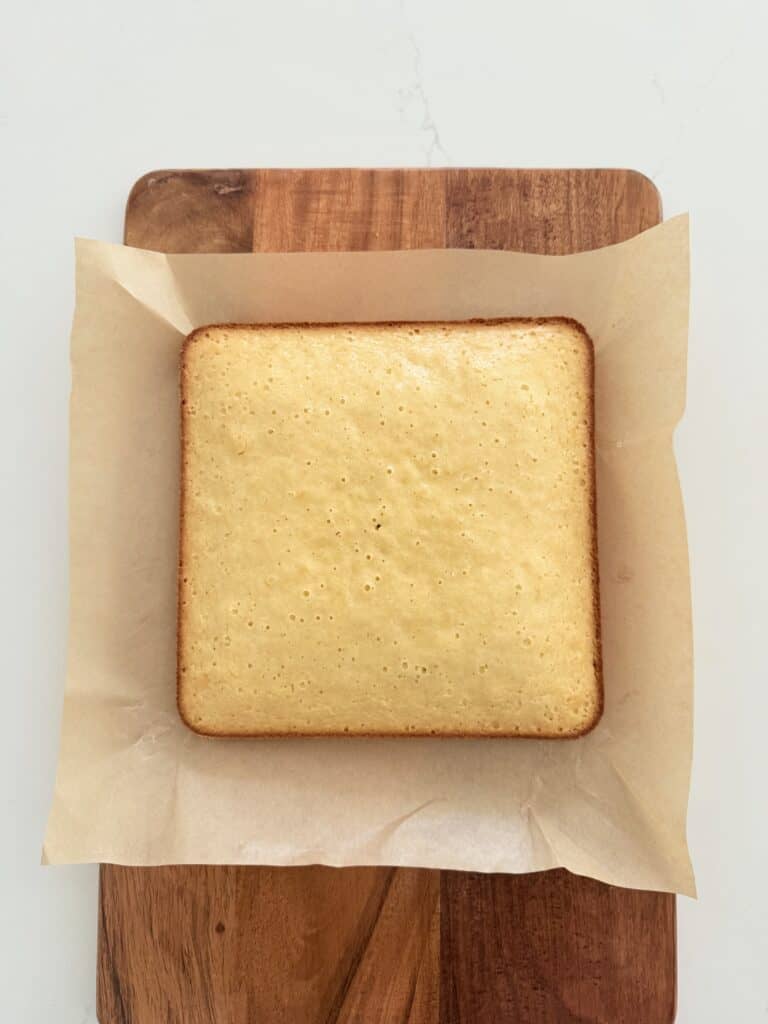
316 945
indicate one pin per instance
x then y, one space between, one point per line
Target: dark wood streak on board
583 952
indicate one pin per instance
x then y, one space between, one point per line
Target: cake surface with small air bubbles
389 529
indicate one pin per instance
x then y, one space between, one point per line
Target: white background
94 94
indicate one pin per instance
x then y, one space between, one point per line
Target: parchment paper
134 786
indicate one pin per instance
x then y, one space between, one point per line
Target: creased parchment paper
134 786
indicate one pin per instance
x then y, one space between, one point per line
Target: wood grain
330 210
548 212
196 211
297 211
560 948
226 945
204 944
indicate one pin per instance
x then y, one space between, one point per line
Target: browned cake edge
442 734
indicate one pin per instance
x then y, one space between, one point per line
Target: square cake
389 529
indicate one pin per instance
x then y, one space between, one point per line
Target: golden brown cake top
389 529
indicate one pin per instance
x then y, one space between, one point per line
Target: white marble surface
95 94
